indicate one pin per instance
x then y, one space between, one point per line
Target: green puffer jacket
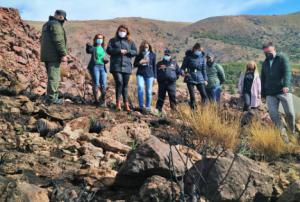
215 74
53 41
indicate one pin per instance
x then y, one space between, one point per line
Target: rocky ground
80 152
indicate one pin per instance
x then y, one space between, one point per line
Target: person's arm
137 60
262 79
154 66
287 73
132 52
58 37
184 66
241 83
221 73
89 48
111 50
204 73
178 71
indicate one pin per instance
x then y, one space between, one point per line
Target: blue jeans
214 93
99 76
141 81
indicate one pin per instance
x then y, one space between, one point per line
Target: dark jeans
163 88
121 82
201 89
214 93
247 101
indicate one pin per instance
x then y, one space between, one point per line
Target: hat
167 52
62 13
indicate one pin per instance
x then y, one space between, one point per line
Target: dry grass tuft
212 126
266 140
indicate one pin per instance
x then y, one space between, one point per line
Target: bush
212 126
266 140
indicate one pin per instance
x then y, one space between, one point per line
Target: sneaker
158 113
284 135
58 102
102 104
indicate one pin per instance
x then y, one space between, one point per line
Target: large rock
291 194
17 191
159 189
109 144
225 179
148 159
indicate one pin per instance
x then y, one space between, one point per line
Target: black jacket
119 62
170 73
146 70
195 67
92 50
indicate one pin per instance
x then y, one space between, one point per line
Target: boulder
151 158
159 189
291 194
230 178
21 191
47 128
109 144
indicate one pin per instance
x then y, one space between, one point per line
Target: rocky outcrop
153 157
21 191
291 194
231 178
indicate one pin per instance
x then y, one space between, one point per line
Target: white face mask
122 34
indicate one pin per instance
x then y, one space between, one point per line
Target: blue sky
173 10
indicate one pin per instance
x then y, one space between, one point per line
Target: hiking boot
127 107
118 106
284 135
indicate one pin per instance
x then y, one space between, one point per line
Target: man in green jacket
54 52
276 78
216 77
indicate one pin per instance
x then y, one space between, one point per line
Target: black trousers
121 82
247 101
201 89
164 88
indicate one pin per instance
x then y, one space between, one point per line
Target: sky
170 10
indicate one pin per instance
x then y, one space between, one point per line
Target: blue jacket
119 62
92 50
167 71
146 70
195 67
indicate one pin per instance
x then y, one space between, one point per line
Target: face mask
122 34
99 41
146 51
167 58
209 63
269 56
198 53
61 21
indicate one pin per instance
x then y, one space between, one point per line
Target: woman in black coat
122 49
194 70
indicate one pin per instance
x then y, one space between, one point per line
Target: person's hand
143 61
206 83
285 90
64 59
124 52
154 82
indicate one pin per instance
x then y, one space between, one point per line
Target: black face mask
61 21
269 56
209 63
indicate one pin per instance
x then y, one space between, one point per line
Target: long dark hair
142 46
128 36
197 46
96 37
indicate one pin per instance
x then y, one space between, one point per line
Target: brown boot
118 105
127 107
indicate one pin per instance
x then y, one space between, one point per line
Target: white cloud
175 10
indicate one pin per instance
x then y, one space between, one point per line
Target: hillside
231 38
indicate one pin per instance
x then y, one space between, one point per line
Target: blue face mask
167 58
146 51
99 41
198 53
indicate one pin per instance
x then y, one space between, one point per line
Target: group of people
198 69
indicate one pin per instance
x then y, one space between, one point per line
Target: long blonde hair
252 65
